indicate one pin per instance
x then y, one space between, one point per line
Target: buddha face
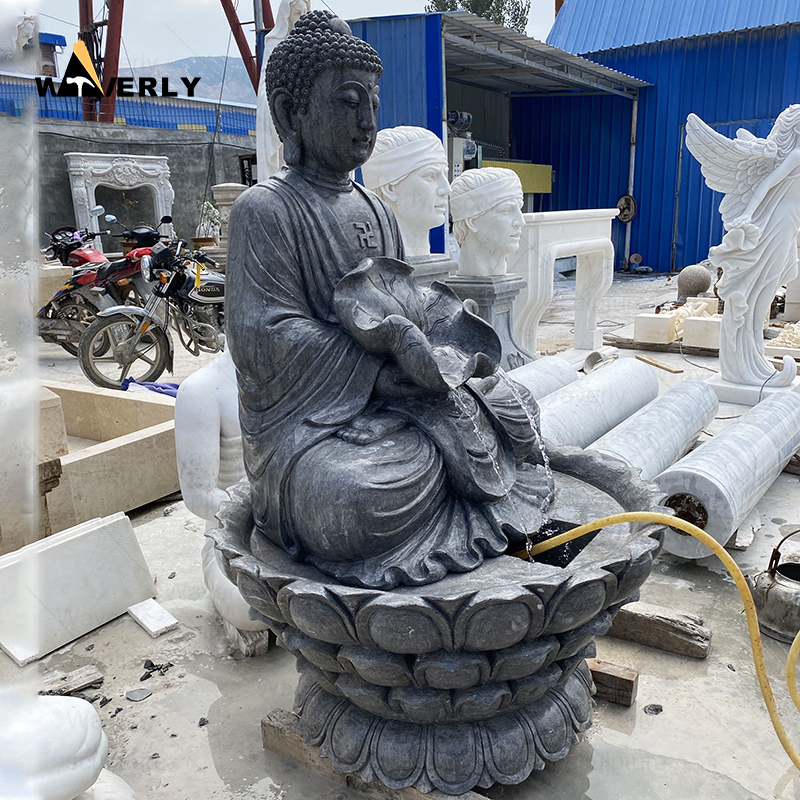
421 196
500 227
338 130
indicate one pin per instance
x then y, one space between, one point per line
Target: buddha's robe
438 495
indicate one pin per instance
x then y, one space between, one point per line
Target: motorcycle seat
104 273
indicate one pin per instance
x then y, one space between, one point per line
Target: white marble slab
57 589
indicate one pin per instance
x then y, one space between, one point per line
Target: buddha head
408 171
486 207
322 84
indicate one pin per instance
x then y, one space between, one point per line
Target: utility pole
86 33
111 59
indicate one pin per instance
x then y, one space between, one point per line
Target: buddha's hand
392 382
369 428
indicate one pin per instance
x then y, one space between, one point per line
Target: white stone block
153 617
653 328
702 332
59 588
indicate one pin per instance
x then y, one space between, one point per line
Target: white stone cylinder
544 376
720 482
664 430
581 412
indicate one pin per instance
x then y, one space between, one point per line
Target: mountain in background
209 69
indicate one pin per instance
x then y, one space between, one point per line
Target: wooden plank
279 734
626 343
64 683
613 682
662 628
659 364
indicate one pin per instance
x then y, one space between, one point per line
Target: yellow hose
744 592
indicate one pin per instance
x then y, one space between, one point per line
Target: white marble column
664 430
722 480
225 195
544 376
581 412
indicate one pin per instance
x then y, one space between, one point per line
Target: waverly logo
81 80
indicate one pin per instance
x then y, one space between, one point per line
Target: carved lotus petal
575 641
443 670
421 705
375 665
309 607
399 753
400 624
508 750
582 597
524 659
455 757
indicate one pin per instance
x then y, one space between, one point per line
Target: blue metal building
435 63
736 64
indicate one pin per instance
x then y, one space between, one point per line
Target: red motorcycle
95 284
72 247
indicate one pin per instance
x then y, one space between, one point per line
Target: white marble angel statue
761 214
269 150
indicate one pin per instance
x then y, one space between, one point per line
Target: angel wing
732 166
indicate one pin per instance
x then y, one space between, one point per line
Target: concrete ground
713 738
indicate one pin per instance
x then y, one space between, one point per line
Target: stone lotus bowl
476 679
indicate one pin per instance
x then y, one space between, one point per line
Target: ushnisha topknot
319 41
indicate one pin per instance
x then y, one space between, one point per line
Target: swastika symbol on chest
366 237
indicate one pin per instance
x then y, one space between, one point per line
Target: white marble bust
408 171
486 207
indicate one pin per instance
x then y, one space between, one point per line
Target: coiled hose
744 592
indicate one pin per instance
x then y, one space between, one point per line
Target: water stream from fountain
548 497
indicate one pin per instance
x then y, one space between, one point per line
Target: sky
160 31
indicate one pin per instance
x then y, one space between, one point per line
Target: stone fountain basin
476 679
470 645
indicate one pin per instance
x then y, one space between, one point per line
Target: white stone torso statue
269 149
761 214
208 441
54 748
486 207
408 171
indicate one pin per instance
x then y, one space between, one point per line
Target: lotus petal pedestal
479 678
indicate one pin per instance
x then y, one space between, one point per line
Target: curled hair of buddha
318 41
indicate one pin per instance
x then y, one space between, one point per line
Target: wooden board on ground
625 341
279 734
662 628
65 683
614 683
659 364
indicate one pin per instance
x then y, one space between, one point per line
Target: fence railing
172 113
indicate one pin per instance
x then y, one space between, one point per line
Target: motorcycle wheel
146 362
85 314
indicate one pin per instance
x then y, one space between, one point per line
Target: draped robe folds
401 510
756 257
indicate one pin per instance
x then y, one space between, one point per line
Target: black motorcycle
185 294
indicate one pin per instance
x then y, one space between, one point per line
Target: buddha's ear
470 223
284 116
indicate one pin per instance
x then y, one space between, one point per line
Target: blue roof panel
586 26
53 38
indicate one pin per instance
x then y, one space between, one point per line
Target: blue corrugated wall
742 79
412 86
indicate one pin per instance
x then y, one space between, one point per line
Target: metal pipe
631 169
108 104
241 42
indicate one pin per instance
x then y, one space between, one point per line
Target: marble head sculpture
486 207
380 444
408 171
